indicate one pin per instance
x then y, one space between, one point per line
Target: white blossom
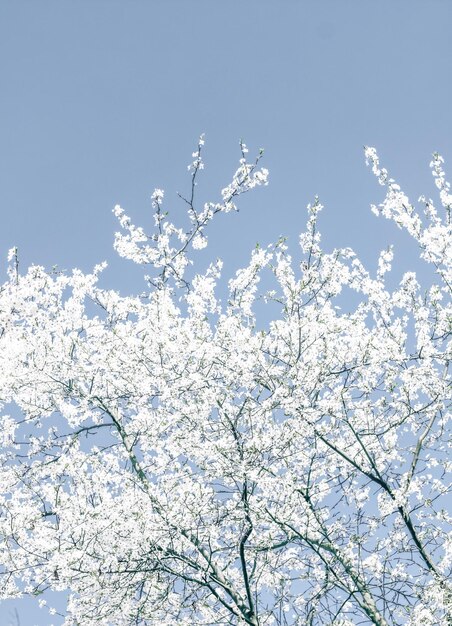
217 450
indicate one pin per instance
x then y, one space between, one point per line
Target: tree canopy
169 460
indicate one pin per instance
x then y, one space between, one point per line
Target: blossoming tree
169 461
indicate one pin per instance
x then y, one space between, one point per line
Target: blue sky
103 100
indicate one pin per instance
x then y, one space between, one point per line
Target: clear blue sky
103 100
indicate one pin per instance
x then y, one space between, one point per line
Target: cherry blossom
169 459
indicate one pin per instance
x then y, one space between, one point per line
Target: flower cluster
173 461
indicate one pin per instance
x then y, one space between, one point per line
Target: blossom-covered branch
177 465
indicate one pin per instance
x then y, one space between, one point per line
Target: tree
172 461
